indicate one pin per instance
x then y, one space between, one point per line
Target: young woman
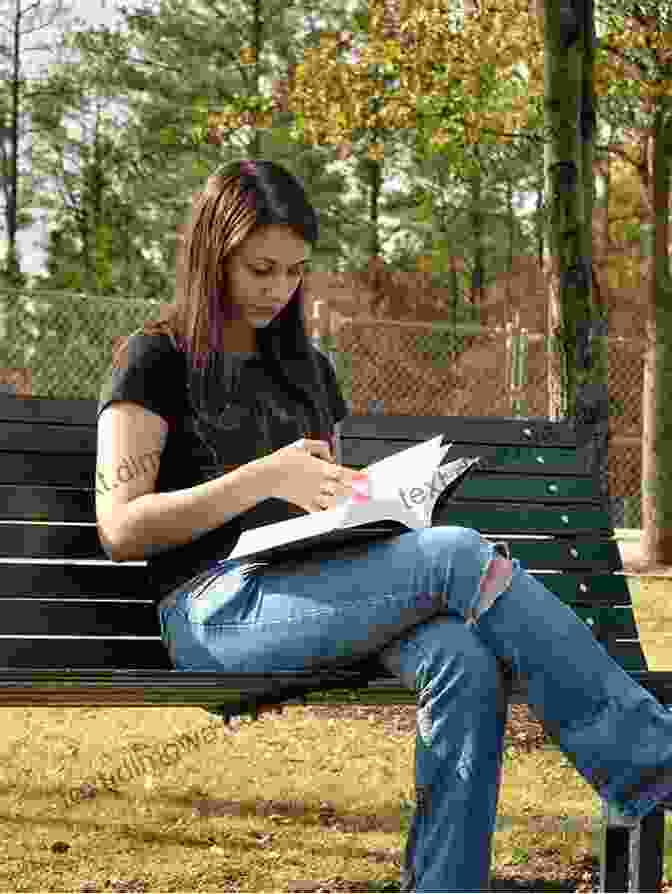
228 391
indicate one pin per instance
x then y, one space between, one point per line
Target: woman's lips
267 311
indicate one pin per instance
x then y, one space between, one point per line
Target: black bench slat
460 430
539 460
121 580
532 460
42 410
48 467
128 580
538 489
30 617
58 616
483 429
490 430
574 554
54 470
519 518
90 653
78 505
47 503
82 542
127 688
593 589
19 437
115 652
159 686
619 619
51 542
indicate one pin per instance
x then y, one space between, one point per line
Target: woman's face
264 271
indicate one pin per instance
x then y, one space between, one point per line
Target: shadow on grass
541 869
508 884
535 884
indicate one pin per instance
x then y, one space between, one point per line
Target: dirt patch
522 729
542 873
544 870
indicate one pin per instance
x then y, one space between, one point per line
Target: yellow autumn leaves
489 57
429 55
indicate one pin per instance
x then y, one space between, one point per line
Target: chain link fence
59 345
431 369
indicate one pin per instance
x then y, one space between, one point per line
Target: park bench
538 488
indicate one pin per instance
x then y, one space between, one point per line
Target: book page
408 471
382 496
395 475
275 534
442 478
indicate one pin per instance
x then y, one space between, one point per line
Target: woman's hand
308 477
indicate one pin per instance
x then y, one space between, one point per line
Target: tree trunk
376 183
258 43
478 270
454 301
511 223
539 226
592 360
13 268
657 386
569 33
563 194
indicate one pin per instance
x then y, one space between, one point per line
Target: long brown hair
234 202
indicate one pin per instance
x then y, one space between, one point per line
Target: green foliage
407 811
443 345
632 512
519 855
616 407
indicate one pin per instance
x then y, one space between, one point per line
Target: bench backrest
537 490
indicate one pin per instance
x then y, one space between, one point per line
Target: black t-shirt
252 405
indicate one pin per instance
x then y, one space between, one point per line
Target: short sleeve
337 405
152 376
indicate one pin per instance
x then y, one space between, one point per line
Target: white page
384 481
404 470
275 534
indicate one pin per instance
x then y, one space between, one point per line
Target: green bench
537 489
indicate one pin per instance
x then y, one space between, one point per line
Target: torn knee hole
495 581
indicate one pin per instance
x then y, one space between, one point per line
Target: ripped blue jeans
449 612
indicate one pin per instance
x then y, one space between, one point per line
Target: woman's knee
444 649
459 683
455 653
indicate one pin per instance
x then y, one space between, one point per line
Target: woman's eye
266 272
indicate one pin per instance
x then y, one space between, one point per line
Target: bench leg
631 857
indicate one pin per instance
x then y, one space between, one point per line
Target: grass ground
307 801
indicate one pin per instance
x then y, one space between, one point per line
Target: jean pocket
242 571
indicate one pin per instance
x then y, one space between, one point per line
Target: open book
399 495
